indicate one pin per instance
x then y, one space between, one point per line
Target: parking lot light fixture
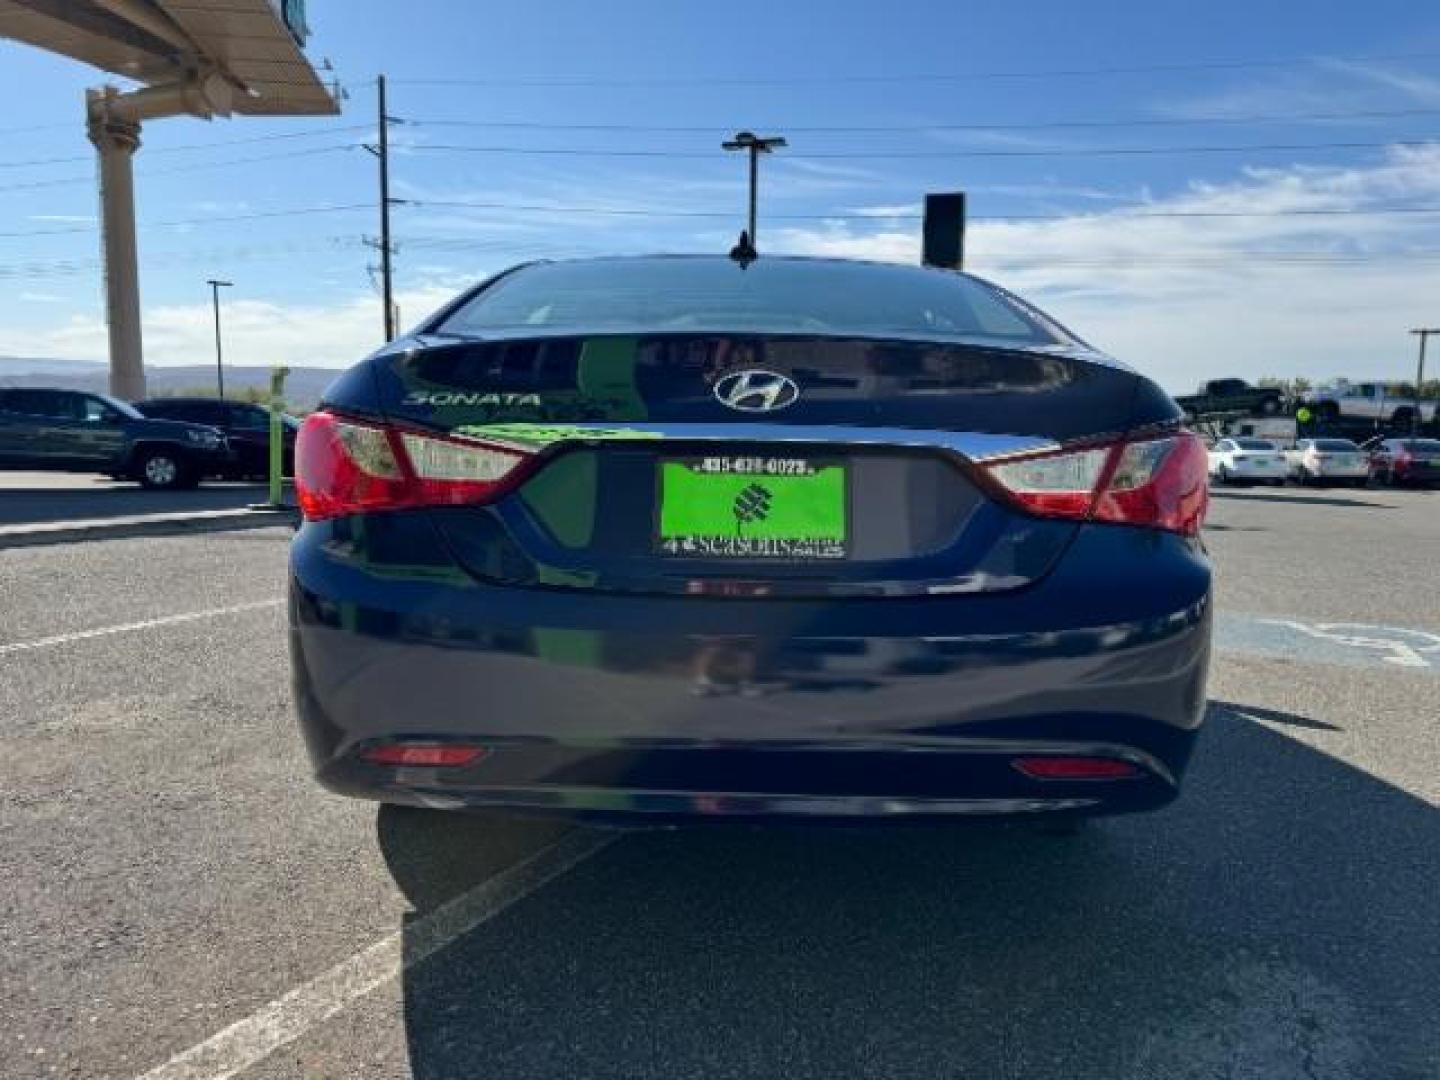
754 145
215 287
1423 334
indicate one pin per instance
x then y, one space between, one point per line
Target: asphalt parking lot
181 901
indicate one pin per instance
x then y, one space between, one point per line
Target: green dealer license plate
751 507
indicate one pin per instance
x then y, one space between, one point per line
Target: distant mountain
303 387
40 365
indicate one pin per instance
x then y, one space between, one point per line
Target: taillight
1075 768
345 466
1159 483
438 755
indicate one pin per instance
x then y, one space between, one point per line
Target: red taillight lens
347 467
1160 483
424 754
1075 768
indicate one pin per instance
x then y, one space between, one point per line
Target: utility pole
755 146
1423 335
382 151
215 287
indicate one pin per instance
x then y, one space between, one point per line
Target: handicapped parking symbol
1400 646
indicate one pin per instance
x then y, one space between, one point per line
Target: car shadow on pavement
1275 716
1278 921
1307 500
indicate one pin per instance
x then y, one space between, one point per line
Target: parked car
1238 460
246 426
1328 461
75 431
1232 395
1404 461
1366 401
775 538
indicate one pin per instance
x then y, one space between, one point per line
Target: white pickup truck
1366 401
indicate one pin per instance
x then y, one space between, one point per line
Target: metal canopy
254 45
200 58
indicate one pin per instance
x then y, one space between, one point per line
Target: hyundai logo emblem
756 390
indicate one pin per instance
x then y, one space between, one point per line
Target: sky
1203 190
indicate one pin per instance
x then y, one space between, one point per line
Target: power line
219 144
841 215
820 129
68 181
1176 254
66 267
1198 259
949 76
72 125
301 211
196 146
885 129
933 154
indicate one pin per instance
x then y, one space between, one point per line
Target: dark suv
75 431
245 426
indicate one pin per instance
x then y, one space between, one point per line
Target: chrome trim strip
971 445
721 804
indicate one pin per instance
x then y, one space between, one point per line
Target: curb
201 521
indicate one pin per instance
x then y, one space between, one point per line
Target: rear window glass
1339 446
770 295
1254 444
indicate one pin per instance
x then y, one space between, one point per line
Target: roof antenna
744 251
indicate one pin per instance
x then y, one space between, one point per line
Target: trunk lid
840 465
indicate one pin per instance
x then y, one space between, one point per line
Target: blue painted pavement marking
1345 643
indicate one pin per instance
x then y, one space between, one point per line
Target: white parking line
287 1018
123 628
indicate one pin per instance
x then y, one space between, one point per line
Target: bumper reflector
1075 768
442 754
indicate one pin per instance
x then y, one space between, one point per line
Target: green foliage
1289 387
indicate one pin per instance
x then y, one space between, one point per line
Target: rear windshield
1333 446
769 295
1254 444
1422 446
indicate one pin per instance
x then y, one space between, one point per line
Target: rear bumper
1338 472
660 707
1242 470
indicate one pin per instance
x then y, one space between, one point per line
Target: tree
1293 387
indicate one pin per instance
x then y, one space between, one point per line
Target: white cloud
1189 297
889 210
257 332
28 297
1329 87
1179 297
1420 89
1050 189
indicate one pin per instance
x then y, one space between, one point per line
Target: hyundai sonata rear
682 537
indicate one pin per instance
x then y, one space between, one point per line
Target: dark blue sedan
679 537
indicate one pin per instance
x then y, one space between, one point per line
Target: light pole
755 146
215 287
1423 335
